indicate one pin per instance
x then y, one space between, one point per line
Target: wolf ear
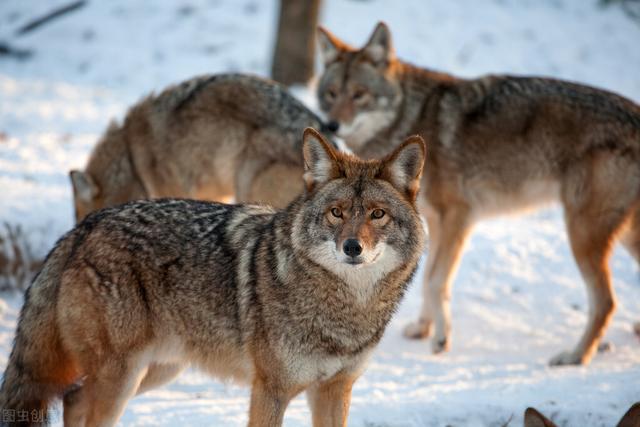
319 159
379 47
330 46
533 418
632 417
84 187
403 167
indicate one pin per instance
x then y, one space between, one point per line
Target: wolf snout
352 248
333 126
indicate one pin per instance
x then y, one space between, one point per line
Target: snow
518 298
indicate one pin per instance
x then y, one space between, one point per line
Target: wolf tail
38 370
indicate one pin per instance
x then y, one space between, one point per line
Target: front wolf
497 144
286 301
213 137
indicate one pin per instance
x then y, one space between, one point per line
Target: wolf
213 137
533 418
498 144
284 300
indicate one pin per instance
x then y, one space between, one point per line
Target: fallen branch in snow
7 50
50 16
18 264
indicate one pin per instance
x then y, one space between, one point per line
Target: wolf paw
417 330
566 358
440 345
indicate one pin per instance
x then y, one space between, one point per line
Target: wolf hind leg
77 402
591 248
596 209
448 232
101 400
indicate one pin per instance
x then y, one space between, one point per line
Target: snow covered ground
518 298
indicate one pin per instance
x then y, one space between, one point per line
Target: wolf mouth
358 262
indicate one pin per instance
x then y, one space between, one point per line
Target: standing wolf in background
497 144
213 137
287 300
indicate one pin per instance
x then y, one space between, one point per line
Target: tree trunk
293 58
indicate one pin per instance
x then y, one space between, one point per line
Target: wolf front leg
448 232
268 402
330 400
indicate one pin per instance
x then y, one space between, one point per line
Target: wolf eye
331 94
377 213
336 212
358 94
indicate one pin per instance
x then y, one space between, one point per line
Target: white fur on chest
308 369
361 279
365 126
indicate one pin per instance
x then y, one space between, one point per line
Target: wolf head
359 218
89 196
86 194
109 178
359 90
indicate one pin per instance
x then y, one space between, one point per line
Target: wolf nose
352 248
333 125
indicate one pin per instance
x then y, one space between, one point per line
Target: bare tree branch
50 16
